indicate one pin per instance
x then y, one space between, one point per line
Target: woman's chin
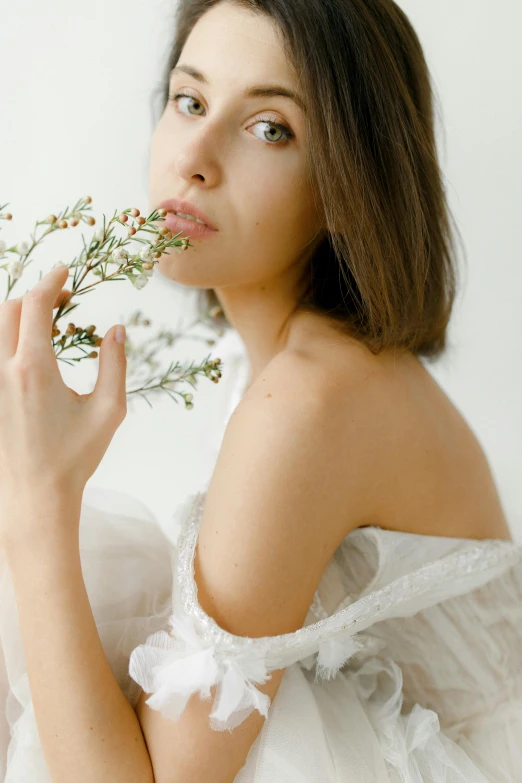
176 267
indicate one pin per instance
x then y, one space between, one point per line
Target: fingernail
120 335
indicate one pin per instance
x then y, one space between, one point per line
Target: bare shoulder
286 489
311 414
420 466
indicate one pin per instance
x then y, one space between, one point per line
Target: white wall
76 119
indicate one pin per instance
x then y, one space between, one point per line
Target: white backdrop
76 119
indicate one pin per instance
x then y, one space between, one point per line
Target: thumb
112 370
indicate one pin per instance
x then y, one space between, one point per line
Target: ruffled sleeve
194 653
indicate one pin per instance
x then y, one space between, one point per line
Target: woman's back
429 473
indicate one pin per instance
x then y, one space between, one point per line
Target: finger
110 391
10 312
37 313
62 298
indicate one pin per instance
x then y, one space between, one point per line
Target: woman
344 601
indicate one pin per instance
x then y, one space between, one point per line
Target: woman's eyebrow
257 91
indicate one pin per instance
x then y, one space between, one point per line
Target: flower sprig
107 257
144 367
21 252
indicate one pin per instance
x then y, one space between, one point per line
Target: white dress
408 667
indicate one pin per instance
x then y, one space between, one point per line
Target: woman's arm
274 486
288 481
88 730
51 442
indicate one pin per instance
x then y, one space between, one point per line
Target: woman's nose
201 158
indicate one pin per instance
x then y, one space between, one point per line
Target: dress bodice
473 620
448 610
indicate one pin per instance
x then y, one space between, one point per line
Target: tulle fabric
351 729
461 658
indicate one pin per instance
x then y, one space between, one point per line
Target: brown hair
385 270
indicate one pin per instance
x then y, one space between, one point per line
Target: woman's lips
189 228
187 208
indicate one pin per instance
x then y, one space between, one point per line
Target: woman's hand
51 438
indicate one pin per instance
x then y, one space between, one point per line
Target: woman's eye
277 132
174 98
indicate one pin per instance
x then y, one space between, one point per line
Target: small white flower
99 234
120 254
141 281
171 385
146 254
189 397
23 247
3 247
15 269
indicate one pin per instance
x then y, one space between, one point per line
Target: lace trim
485 559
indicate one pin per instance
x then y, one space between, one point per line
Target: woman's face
226 154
